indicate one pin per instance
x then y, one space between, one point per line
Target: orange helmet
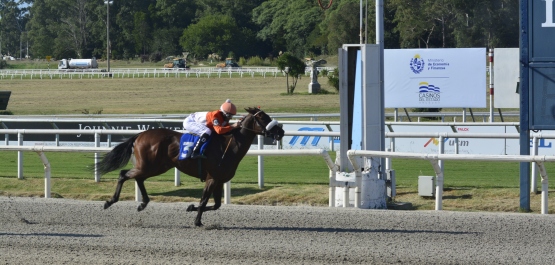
228 108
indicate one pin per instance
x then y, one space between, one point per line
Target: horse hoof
199 224
107 204
141 207
191 208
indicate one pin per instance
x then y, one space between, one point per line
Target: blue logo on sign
428 93
425 87
417 64
541 144
306 138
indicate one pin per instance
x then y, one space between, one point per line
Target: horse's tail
117 158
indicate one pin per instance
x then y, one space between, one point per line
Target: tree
212 34
74 27
63 28
77 28
12 27
141 32
287 23
341 26
293 66
42 31
490 24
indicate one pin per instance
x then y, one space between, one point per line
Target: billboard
435 78
506 77
541 67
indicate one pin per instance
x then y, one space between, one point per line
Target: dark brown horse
156 151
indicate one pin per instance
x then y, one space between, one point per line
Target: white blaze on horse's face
271 125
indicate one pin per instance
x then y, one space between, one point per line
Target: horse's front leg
206 193
217 195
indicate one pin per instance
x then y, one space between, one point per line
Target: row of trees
77 28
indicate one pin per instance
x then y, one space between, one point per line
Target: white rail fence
537 161
41 149
148 72
436 158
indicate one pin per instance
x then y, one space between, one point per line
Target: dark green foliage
428 110
333 79
264 28
212 34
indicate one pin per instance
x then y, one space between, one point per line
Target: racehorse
156 151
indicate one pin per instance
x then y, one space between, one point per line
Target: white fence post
534 175
260 163
47 170
138 195
545 188
177 177
20 156
227 192
439 183
96 157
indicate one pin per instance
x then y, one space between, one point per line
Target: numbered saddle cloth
187 143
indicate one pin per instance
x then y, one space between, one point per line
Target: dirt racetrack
61 231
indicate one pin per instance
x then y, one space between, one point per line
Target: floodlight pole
108 2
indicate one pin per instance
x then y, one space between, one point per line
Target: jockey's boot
196 150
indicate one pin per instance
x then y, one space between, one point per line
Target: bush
3 64
428 110
242 61
255 60
155 57
269 61
333 79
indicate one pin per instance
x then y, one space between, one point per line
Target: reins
241 126
253 130
225 151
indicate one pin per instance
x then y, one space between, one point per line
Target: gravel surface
61 231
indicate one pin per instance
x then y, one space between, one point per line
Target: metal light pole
20 36
108 3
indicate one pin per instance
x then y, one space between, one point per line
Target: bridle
264 130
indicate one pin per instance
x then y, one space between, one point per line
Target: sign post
537 72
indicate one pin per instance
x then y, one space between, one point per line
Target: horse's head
262 124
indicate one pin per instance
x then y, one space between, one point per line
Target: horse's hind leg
122 178
141 185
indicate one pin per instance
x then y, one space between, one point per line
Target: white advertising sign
435 78
466 145
506 74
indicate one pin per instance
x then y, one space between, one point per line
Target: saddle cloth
187 143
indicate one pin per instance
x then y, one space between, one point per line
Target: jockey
203 123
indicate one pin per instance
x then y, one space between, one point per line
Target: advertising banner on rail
435 78
498 146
